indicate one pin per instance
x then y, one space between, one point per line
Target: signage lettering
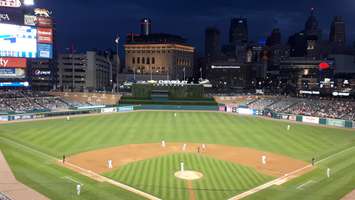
4 17
10 3
13 62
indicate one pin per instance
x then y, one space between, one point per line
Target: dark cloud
94 23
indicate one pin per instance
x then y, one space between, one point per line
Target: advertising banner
13 63
18 41
45 35
11 16
108 110
44 22
10 3
30 20
12 73
38 72
125 109
292 117
222 109
336 122
14 84
4 118
45 51
245 111
313 120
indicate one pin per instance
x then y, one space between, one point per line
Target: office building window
134 60
148 61
138 60
143 60
153 60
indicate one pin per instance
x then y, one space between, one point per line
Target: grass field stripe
123 186
73 180
282 179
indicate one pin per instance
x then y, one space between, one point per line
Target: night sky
92 24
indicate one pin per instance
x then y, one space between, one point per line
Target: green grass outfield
58 137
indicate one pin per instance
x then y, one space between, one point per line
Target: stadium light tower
29 2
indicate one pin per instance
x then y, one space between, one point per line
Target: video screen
18 41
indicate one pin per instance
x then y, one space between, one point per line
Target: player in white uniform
109 163
263 160
328 172
78 189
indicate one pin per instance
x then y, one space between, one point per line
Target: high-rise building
312 26
238 32
89 71
159 54
274 38
212 42
298 45
146 26
337 31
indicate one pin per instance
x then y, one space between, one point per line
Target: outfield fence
290 117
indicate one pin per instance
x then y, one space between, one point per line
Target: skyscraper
312 26
337 31
238 32
146 26
212 42
274 38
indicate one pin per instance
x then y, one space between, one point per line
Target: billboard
18 41
11 16
13 63
12 73
30 20
45 51
14 84
10 3
44 22
45 35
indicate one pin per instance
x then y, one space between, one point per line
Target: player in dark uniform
313 161
63 159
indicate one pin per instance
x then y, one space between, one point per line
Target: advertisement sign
45 35
12 73
11 16
10 3
4 118
38 72
30 20
45 51
14 84
125 109
245 111
18 41
313 120
222 108
336 122
44 22
292 118
13 63
108 110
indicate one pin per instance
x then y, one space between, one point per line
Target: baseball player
109 163
328 172
63 159
184 147
288 127
263 160
163 144
78 189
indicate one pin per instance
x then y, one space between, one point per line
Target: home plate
188 175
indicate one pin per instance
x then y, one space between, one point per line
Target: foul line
73 180
283 179
304 184
88 173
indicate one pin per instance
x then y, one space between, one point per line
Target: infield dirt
96 161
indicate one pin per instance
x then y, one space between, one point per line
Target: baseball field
223 151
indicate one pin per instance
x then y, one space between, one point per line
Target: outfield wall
282 116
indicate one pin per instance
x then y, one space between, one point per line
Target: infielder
68 118
288 127
109 163
328 172
163 144
263 160
78 189
184 147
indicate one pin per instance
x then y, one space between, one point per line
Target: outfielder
109 163
263 160
78 189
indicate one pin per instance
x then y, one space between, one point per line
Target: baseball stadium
98 102
235 147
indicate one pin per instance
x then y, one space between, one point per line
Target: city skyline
189 21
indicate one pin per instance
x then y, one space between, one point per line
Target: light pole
117 41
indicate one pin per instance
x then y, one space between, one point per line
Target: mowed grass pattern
221 179
58 137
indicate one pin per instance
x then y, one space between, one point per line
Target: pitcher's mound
188 175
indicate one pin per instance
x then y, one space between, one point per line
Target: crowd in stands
325 108
4 197
16 101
